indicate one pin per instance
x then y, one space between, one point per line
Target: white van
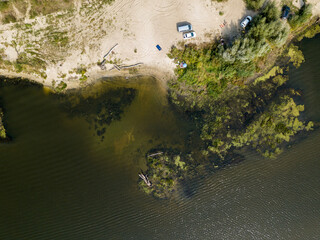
185 28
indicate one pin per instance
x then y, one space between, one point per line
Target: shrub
296 55
302 17
254 4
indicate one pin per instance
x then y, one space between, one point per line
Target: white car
189 35
245 21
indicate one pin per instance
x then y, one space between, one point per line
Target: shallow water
59 179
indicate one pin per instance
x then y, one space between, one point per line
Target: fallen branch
155 154
110 51
145 179
130 66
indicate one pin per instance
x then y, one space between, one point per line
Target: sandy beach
137 26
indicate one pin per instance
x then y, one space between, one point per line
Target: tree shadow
231 31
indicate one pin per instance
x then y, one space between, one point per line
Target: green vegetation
100 106
212 67
164 172
254 4
61 86
262 121
301 17
2 129
38 7
296 55
230 109
82 71
310 32
273 72
219 0
45 7
30 64
59 39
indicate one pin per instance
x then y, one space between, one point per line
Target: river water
62 178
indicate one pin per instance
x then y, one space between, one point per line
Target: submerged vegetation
231 97
100 108
164 172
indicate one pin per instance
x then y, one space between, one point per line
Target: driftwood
119 67
116 67
110 51
155 154
145 179
129 66
102 64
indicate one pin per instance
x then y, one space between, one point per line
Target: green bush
254 4
301 17
296 55
214 66
2 129
9 18
4 5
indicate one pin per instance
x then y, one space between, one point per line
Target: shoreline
77 63
161 75
84 36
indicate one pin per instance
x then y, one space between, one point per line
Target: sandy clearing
142 24
137 26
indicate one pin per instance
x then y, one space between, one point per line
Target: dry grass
13 10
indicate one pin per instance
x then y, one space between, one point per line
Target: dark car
285 12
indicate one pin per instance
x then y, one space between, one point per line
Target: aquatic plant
99 108
164 172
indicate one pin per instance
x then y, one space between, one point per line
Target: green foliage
4 5
277 124
2 129
9 18
273 72
254 4
212 67
99 105
59 39
219 0
45 7
164 172
82 71
301 17
61 86
27 62
311 32
296 55
259 117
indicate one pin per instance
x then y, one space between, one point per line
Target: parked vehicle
189 35
184 28
158 47
285 12
246 21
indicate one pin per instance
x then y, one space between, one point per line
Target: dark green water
59 179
